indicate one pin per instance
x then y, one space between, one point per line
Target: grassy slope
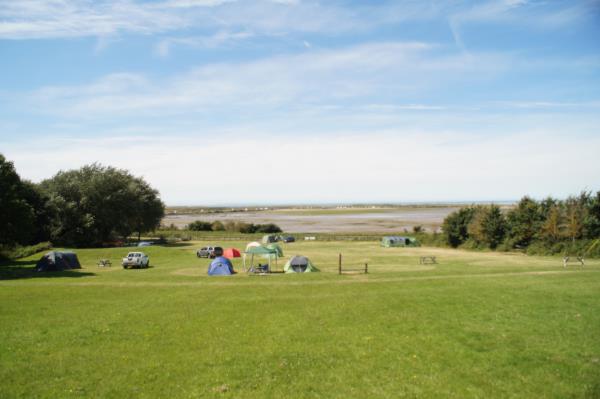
476 325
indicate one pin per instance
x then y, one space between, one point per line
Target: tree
494 226
488 226
455 226
575 215
592 220
524 222
42 212
17 216
95 203
552 227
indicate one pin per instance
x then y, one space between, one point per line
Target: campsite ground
475 325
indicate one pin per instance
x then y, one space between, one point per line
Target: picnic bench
426 260
104 263
568 259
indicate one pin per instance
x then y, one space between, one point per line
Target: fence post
366 268
340 264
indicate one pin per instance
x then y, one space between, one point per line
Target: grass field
477 325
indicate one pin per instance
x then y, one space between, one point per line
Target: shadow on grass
175 245
139 268
21 269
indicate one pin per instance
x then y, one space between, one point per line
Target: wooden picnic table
424 260
104 263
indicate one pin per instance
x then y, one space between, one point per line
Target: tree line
546 226
84 208
236 227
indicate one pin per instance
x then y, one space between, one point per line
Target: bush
247 228
268 228
199 225
217 226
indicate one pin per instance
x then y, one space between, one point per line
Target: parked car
287 238
144 244
136 260
209 252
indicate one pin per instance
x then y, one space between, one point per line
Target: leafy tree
17 216
487 226
524 222
95 203
455 226
592 219
42 211
553 225
575 215
494 226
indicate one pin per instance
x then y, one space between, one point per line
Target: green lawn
477 325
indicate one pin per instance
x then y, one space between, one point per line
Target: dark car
209 252
287 238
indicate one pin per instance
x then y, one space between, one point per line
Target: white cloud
41 19
399 166
317 77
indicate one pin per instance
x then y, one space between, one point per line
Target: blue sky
290 101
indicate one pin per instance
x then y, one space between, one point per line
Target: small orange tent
231 253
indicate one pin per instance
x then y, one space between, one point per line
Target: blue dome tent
220 266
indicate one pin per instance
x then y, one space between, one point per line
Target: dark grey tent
57 261
299 264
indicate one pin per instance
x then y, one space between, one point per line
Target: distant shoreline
326 218
341 206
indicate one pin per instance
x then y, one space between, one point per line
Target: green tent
277 249
397 241
259 251
299 264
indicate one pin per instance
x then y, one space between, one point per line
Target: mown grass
475 325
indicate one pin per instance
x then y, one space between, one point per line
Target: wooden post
366 268
340 264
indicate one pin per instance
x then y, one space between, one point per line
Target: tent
269 238
57 261
259 251
397 241
276 248
299 264
220 266
231 253
252 244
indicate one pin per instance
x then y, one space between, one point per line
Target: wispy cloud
516 12
393 70
41 19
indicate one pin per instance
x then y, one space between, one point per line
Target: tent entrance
299 268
